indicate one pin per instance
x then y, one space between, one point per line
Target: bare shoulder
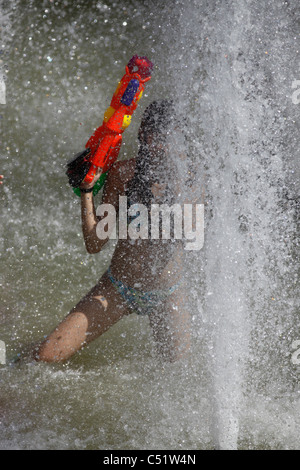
118 176
123 170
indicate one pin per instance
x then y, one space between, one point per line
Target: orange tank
106 141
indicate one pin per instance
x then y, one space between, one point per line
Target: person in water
145 275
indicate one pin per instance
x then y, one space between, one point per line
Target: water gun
102 148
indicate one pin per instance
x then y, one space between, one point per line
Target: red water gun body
106 141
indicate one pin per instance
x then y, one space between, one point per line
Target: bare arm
114 187
89 222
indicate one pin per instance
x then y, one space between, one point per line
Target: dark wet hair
158 120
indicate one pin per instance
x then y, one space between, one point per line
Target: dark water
231 67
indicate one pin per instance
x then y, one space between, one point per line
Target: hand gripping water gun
103 147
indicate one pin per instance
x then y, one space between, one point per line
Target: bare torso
146 264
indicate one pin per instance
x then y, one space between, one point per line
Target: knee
46 353
65 340
54 351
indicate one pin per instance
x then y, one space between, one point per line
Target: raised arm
89 219
114 187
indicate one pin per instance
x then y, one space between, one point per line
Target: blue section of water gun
130 92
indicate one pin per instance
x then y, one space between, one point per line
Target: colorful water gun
103 147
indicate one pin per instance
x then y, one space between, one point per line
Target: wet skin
144 264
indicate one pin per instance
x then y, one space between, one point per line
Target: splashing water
230 67
247 129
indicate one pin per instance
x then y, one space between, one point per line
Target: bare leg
92 316
171 327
